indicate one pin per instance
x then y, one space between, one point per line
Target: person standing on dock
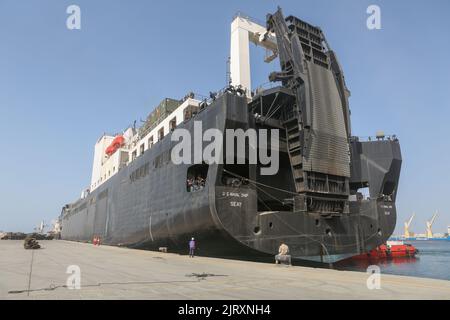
191 248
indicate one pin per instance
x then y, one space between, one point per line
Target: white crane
429 225
40 227
409 234
243 31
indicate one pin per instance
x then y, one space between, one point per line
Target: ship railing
214 95
108 134
389 137
143 131
266 86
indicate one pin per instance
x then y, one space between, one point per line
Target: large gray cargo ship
332 197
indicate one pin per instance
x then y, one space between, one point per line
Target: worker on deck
191 248
283 254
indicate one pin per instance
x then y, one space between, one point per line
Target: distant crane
429 225
40 228
409 234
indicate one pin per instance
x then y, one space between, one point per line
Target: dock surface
122 273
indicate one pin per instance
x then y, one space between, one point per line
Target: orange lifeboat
390 250
118 142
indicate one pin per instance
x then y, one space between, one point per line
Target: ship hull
156 210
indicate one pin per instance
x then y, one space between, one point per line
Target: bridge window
172 124
150 142
186 114
189 112
160 134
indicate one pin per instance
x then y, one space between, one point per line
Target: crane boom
433 218
410 220
407 233
429 225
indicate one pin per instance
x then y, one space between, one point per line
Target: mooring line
31 271
52 286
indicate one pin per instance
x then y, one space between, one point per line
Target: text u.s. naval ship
332 195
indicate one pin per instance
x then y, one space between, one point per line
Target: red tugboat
390 250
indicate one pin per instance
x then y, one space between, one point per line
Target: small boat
390 250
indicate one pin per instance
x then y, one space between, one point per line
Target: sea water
432 261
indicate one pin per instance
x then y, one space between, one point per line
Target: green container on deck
162 111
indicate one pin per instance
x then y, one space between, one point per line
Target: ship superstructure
333 195
113 152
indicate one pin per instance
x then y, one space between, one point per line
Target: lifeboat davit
118 142
390 250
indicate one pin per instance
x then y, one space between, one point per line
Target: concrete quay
121 273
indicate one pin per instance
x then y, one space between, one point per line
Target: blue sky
61 89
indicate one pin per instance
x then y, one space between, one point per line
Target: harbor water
432 261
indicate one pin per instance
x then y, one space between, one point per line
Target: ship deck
122 273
